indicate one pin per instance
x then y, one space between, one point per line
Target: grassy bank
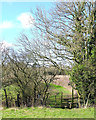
42 112
59 88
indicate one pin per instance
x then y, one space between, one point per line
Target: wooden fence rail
58 100
65 101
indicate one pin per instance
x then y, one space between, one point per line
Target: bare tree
66 34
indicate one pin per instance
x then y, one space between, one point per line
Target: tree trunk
87 101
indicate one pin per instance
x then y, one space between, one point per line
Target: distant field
59 88
63 80
41 112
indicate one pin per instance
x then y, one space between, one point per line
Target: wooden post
61 98
55 99
79 100
72 97
6 98
34 104
18 102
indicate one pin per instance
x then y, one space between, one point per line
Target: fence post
18 102
55 99
6 98
61 98
78 99
72 97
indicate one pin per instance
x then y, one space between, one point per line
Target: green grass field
42 112
59 88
